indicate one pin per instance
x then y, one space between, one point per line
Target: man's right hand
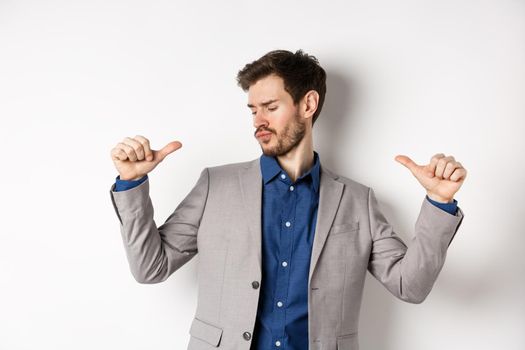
134 158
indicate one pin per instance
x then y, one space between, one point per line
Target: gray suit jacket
220 219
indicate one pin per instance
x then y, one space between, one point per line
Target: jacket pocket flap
206 332
347 342
347 227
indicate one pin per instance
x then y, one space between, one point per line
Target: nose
259 119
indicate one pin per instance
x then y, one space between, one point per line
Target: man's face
278 125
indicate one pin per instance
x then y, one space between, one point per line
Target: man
284 243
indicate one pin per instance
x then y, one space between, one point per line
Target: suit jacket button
255 284
247 335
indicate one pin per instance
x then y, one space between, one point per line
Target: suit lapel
329 198
251 188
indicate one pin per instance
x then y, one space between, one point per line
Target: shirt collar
270 168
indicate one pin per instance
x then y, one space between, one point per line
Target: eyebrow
266 103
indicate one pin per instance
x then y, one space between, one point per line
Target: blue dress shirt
122 185
289 216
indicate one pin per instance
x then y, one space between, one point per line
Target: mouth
263 135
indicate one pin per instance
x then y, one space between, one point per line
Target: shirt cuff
450 208
123 185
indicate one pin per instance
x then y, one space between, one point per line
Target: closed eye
271 109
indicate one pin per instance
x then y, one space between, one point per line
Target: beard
290 137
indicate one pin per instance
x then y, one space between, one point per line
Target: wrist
131 179
440 199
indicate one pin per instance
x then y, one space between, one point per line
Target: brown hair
300 72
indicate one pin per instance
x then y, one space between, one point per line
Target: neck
299 160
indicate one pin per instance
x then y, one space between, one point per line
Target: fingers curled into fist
133 149
148 154
446 167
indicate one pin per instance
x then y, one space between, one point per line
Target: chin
268 151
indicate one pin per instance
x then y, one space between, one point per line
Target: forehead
268 88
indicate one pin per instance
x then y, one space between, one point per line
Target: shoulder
352 186
231 168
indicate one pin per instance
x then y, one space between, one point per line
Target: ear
309 103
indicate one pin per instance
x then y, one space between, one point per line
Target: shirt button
277 343
288 224
247 335
284 264
255 284
291 188
283 176
279 304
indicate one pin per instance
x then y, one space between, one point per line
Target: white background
404 77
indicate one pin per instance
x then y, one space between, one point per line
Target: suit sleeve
409 272
451 208
154 253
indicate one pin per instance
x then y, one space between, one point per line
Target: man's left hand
442 177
